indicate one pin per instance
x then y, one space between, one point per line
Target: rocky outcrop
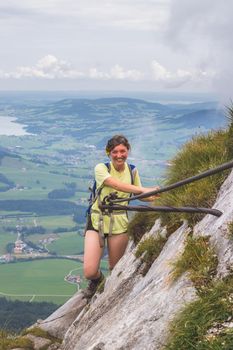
217 228
58 323
135 311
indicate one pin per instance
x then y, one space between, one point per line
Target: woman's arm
128 188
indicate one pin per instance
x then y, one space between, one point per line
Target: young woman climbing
120 177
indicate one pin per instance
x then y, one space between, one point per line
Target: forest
17 315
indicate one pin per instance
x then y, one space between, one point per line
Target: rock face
58 323
217 228
134 311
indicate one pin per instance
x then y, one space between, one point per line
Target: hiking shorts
89 227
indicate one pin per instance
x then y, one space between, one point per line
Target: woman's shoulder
101 167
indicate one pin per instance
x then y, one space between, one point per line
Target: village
23 248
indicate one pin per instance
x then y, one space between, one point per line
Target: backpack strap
132 170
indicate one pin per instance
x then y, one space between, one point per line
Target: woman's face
119 155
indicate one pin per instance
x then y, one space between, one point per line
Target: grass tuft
9 341
140 224
230 229
38 332
149 249
200 260
229 139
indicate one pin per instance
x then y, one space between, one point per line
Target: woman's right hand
150 189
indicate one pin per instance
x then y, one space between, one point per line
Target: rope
143 208
209 172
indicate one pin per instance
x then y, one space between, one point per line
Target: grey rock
58 322
54 346
217 229
38 342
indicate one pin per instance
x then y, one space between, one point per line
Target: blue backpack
94 191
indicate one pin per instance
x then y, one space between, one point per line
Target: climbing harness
111 202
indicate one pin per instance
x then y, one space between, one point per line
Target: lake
8 127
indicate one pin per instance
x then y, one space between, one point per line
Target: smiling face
119 156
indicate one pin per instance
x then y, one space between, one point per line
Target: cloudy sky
160 45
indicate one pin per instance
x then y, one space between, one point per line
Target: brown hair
115 141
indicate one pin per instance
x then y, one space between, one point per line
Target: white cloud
48 67
118 72
179 77
94 73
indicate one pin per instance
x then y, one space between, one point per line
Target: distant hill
209 118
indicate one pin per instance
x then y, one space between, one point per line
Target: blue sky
160 45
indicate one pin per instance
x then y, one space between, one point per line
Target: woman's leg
92 255
116 248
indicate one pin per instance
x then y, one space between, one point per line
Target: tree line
44 207
17 315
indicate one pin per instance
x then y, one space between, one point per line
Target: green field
37 180
4 239
67 244
41 280
48 222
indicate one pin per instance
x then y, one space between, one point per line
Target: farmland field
50 222
41 280
4 239
69 243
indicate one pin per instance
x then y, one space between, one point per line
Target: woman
118 178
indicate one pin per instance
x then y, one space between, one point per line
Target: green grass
42 278
230 229
201 153
204 324
200 260
149 249
9 341
141 223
